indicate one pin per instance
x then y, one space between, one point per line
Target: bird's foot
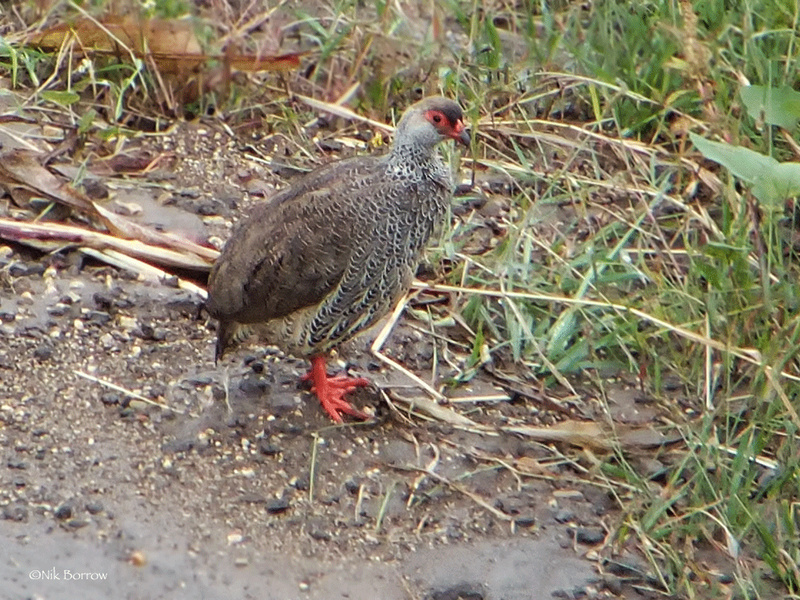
331 396
331 390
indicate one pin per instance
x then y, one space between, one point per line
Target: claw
331 390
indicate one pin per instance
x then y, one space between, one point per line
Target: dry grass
611 248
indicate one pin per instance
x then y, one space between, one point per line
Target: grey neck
413 153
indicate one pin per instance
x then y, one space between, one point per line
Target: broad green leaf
772 182
743 163
778 184
61 98
87 121
776 106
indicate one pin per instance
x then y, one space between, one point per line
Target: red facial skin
456 130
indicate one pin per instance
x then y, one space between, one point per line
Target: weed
620 250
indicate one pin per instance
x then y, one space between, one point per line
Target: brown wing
291 252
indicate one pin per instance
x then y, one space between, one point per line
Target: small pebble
77 523
461 591
564 516
21 269
58 310
253 386
267 448
525 521
207 209
236 537
103 300
15 512
110 398
320 535
301 483
278 506
43 352
64 511
588 536
16 463
156 334
189 193
97 317
126 322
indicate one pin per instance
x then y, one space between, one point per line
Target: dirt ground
244 488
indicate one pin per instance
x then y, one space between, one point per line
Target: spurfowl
331 254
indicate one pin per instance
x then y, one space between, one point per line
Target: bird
328 256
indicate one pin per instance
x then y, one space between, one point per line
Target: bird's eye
437 119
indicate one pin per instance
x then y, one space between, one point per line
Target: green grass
625 257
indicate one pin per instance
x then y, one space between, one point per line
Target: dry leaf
47 236
21 168
577 433
587 434
124 227
171 43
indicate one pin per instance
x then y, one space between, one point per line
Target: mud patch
42 562
244 487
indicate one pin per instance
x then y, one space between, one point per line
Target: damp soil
243 487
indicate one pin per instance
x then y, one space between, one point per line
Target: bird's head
430 121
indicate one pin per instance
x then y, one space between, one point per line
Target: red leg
331 390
